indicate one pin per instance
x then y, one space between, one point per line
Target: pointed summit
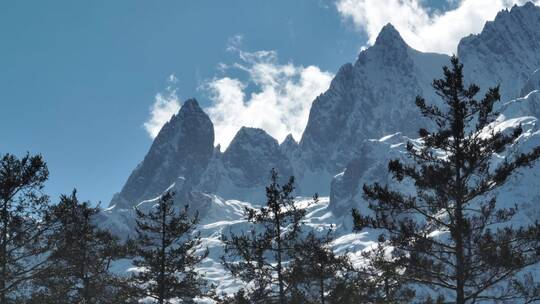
182 148
251 155
190 118
191 105
289 145
248 141
389 36
289 140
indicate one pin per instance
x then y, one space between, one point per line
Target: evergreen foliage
78 265
317 271
24 222
259 256
278 263
167 253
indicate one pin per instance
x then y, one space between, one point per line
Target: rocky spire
390 37
372 98
182 149
252 154
506 52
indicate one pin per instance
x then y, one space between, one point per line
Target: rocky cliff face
182 149
506 52
369 99
533 83
243 170
252 154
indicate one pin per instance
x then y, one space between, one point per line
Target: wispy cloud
420 27
275 97
165 105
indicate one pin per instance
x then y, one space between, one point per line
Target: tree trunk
162 266
86 280
460 261
3 253
321 283
458 129
279 257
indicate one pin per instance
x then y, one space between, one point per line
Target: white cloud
276 97
165 105
422 29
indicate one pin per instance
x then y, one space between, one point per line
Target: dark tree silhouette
167 252
317 271
450 234
379 278
259 257
79 262
23 221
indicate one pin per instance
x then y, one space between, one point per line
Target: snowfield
227 215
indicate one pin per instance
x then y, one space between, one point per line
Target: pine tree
167 253
317 271
79 262
380 279
450 234
259 257
24 222
239 297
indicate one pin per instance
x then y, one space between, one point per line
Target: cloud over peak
165 105
421 28
273 96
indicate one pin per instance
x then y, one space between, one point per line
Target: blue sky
78 78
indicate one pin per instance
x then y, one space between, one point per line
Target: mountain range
362 121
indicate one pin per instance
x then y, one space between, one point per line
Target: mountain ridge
370 98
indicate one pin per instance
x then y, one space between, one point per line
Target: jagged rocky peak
182 149
289 145
389 49
372 98
390 37
252 154
251 139
190 122
506 52
289 140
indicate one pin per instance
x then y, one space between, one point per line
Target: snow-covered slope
372 165
226 216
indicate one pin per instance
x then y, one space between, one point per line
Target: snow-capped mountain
369 99
505 52
363 120
182 149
